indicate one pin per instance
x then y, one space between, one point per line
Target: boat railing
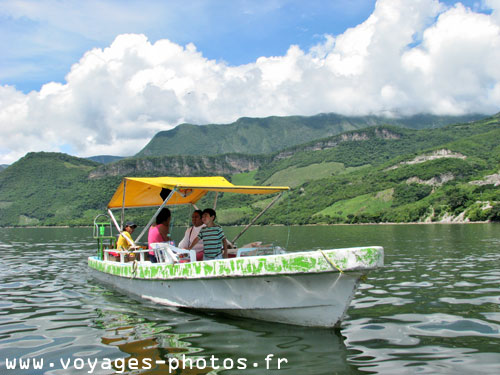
168 253
123 253
164 253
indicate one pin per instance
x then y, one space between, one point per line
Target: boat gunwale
219 277
252 266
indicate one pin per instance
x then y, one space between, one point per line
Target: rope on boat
330 262
134 267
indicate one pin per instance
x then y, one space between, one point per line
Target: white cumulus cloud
407 57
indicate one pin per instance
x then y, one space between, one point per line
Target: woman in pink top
159 232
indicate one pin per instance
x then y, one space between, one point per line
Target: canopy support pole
123 202
114 220
155 215
256 217
131 242
215 200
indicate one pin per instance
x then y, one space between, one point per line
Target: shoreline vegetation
273 225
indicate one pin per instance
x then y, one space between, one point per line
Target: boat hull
309 289
317 300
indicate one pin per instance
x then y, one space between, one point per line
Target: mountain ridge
266 135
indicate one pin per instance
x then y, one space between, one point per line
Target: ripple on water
447 320
453 326
432 309
408 342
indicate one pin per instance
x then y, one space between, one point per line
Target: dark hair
163 215
209 211
199 212
130 224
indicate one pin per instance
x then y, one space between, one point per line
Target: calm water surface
434 308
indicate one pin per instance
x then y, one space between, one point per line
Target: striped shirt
212 242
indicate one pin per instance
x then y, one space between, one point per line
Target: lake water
434 308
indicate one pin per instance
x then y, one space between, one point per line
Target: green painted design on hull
370 255
366 258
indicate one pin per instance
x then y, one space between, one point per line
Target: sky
102 77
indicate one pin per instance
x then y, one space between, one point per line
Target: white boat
309 288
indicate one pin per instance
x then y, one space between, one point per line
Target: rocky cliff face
438 154
180 166
332 142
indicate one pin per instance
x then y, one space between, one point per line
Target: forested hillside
266 135
49 189
373 146
376 174
394 175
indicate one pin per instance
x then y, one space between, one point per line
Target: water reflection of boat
305 349
311 288
150 349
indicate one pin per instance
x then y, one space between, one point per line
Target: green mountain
3 166
270 134
50 189
389 174
375 174
370 146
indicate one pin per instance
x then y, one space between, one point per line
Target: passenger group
204 236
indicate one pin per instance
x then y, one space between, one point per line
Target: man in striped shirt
214 241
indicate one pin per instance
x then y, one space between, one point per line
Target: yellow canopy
143 192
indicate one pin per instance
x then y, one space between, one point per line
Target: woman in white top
192 233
